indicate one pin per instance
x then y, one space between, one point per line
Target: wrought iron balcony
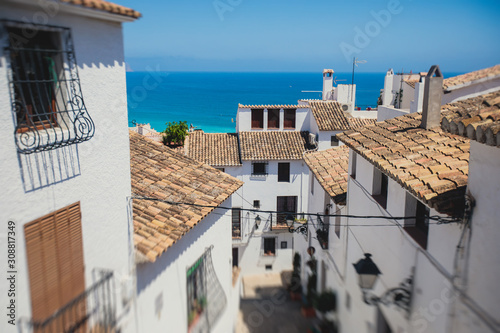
92 311
46 96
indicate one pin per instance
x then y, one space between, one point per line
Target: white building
182 235
404 93
409 167
64 200
266 153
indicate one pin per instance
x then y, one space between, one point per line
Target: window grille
205 297
46 96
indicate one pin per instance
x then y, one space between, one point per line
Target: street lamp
368 274
302 228
257 222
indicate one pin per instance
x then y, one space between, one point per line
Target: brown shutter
55 263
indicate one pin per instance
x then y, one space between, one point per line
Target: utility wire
439 219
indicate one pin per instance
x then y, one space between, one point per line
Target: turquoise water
210 100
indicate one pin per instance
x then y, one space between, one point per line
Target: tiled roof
276 145
467 78
330 168
411 83
477 118
216 149
105 6
330 117
159 172
269 106
431 164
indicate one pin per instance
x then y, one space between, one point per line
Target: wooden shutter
55 264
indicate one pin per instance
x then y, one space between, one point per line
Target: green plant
175 132
296 262
326 301
295 283
311 289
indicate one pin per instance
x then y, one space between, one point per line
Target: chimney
327 84
433 94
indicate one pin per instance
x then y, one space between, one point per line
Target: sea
209 100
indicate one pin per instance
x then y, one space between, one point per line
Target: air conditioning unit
345 107
312 139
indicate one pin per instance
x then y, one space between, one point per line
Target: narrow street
266 307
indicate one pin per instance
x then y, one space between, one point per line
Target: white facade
162 285
244 119
95 173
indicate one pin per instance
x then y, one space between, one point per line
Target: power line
439 219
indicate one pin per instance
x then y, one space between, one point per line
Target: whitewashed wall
244 120
479 87
162 288
96 172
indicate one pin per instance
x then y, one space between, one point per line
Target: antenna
335 80
355 63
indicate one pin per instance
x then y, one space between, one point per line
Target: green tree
175 132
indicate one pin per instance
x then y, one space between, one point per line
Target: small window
353 164
289 121
269 267
45 87
284 172
419 230
270 246
259 168
380 184
273 118
257 118
221 169
284 245
334 142
236 222
337 224
256 204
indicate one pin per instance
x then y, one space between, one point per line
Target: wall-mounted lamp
368 274
302 228
257 222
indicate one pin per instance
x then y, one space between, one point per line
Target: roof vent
433 94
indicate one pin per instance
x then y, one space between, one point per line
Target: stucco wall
244 120
96 172
161 286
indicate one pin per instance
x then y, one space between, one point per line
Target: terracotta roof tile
468 78
330 117
161 173
431 164
476 118
216 149
276 145
411 83
330 169
105 6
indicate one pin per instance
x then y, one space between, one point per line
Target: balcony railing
92 311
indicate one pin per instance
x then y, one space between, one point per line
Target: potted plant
322 236
307 308
326 302
175 133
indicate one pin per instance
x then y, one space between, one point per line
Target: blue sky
307 36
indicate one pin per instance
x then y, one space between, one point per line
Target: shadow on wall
42 169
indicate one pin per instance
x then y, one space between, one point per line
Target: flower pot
308 312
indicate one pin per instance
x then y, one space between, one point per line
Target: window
259 168
337 224
334 142
236 222
54 252
269 267
353 163
419 228
284 245
285 205
235 257
257 118
284 172
256 204
196 290
45 88
270 246
380 183
273 118
289 121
